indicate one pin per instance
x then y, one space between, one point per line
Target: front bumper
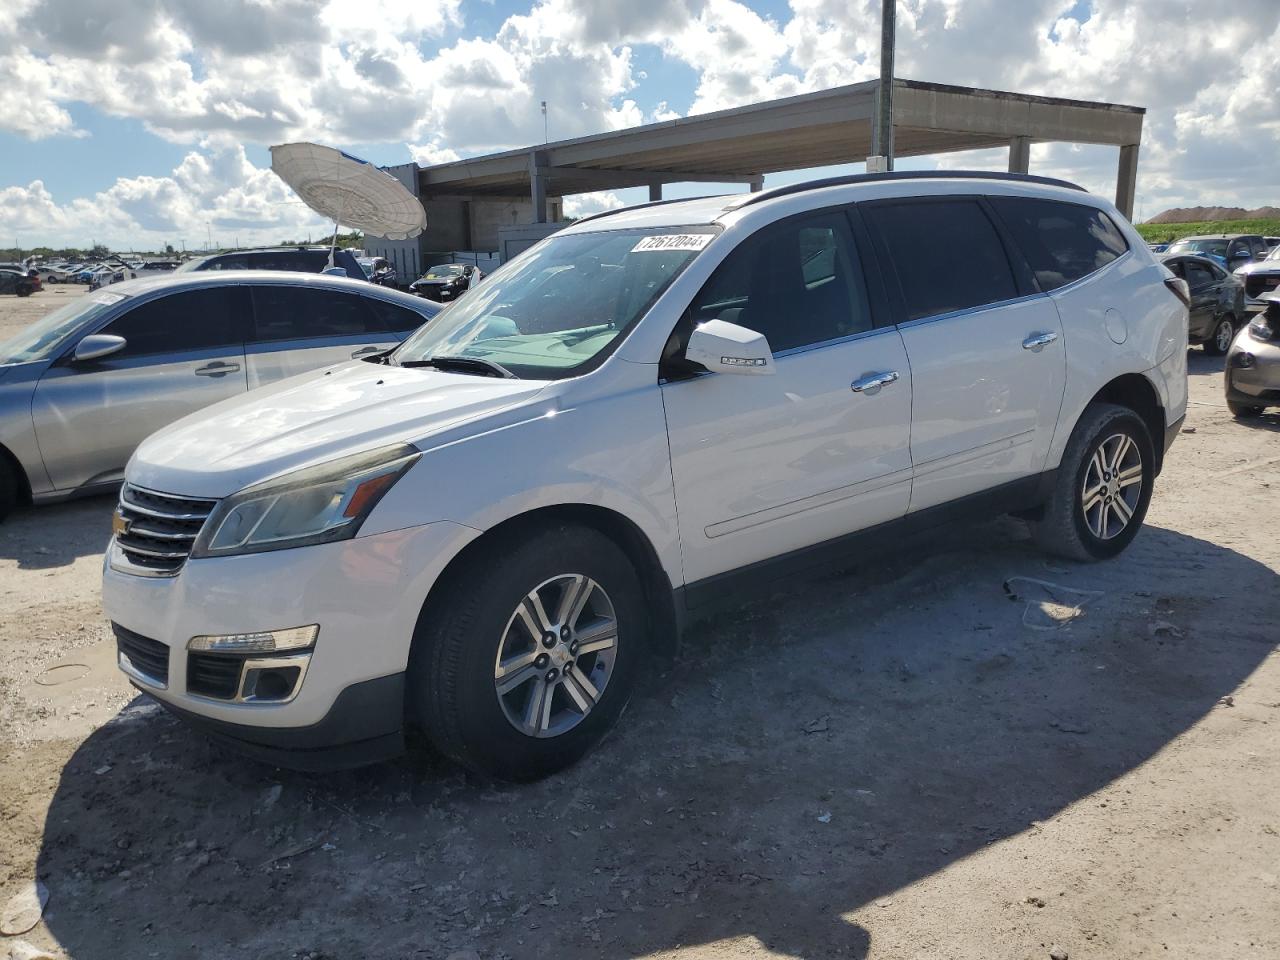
1252 372
365 594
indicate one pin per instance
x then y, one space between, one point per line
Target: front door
764 465
182 352
298 329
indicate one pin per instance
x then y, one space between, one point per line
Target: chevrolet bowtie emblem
119 524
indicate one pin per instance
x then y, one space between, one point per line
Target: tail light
1180 289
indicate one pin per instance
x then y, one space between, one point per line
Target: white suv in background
491 531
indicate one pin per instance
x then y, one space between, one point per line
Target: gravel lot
897 761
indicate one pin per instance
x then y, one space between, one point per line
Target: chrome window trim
934 318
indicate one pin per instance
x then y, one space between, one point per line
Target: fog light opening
270 684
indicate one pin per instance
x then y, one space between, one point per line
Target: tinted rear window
947 254
1061 241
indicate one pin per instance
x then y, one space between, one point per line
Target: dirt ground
894 762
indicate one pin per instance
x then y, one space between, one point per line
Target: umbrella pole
333 245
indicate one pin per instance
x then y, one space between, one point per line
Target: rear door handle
365 351
217 369
872 382
1038 341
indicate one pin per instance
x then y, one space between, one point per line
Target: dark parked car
1252 374
380 271
17 281
446 281
294 259
1217 301
1229 250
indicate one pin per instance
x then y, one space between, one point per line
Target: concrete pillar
538 186
1019 154
655 192
1127 179
756 184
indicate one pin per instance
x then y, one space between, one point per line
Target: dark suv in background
296 259
1217 307
1229 250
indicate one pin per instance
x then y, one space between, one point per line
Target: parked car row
82 387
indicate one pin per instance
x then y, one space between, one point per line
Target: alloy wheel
556 655
1112 486
1223 335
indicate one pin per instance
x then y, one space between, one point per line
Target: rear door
298 328
987 359
183 352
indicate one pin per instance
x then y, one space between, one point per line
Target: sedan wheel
1223 334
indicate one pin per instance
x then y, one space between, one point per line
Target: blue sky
136 120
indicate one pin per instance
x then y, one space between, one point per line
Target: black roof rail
641 206
905 175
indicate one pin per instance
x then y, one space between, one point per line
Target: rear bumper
365 725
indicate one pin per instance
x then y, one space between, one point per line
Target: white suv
492 530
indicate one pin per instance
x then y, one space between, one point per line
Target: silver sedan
81 388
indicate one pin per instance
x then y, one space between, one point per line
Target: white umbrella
348 190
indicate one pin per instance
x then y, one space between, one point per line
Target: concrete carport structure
823 128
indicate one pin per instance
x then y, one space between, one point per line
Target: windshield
1217 248
554 310
443 273
46 336
367 265
190 265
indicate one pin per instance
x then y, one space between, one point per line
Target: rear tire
1219 341
1243 411
1094 511
475 641
8 488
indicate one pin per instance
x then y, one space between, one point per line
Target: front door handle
872 382
217 369
1038 341
365 351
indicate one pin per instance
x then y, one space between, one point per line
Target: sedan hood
1258 266
317 417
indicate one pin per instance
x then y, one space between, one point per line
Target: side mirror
725 347
98 345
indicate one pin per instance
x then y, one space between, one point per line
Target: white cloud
585 204
214 190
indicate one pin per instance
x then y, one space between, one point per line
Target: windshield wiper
485 368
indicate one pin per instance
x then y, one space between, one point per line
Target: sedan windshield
443 273
1217 248
42 339
561 307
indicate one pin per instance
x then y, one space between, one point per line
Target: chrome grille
1256 284
155 531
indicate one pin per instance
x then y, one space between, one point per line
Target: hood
313 418
1258 266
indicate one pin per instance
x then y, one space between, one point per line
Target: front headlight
316 505
1261 329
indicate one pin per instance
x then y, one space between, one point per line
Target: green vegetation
1165 232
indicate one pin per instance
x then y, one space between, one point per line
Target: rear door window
1199 276
1061 241
303 313
392 317
798 282
183 323
947 254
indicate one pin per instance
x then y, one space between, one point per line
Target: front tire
531 655
8 488
1103 486
1219 341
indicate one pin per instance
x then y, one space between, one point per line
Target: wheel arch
1139 394
659 596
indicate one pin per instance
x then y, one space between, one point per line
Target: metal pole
546 130
883 133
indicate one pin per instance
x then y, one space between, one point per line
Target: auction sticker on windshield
673 241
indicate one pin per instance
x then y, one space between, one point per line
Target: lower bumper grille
148 657
214 675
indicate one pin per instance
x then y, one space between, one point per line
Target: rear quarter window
1062 242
